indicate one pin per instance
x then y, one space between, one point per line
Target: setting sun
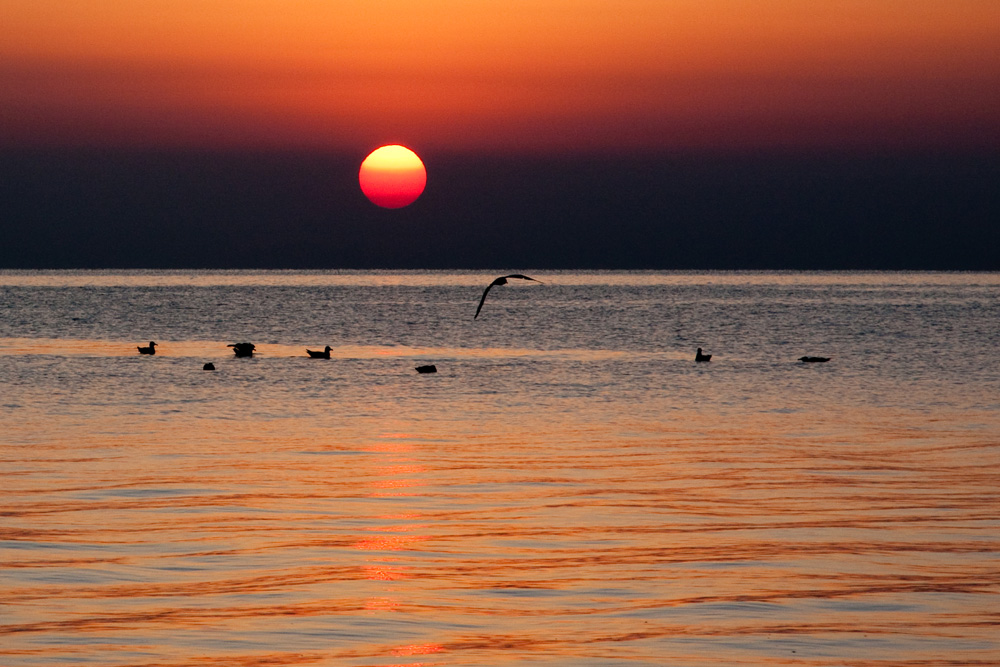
392 176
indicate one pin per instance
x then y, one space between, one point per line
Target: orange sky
513 74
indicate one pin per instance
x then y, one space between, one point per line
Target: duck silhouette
502 280
148 350
813 360
430 368
243 349
325 354
698 356
208 367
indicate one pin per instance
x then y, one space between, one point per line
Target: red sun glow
392 176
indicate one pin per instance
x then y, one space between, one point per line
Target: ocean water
570 488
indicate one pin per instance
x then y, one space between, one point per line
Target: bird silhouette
698 356
502 280
148 350
813 360
429 368
243 349
325 354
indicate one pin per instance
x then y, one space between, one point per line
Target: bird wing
502 280
485 292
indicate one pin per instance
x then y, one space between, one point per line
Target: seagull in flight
502 280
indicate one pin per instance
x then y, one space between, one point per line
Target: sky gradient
517 75
631 134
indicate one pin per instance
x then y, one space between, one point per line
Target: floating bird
243 349
813 360
430 368
208 367
325 354
502 280
698 356
148 350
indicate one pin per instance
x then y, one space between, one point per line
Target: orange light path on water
525 535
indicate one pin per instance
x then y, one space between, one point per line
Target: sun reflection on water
555 506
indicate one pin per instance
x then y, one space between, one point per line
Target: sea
570 488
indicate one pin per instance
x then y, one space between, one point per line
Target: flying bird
502 280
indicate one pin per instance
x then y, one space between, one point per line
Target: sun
392 176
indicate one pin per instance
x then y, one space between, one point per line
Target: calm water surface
569 489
